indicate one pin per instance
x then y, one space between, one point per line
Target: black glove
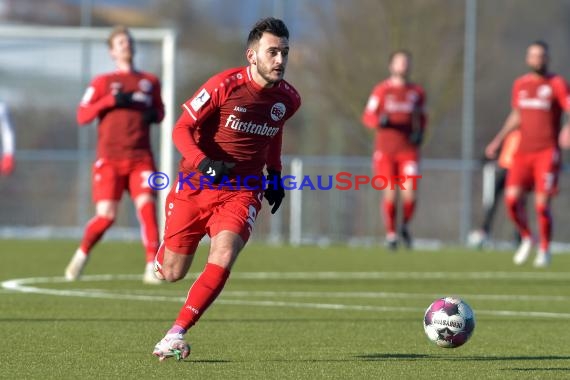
150 115
123 99
384 121
215 170
275 191
416 137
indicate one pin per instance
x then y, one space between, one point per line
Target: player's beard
540 70
269 74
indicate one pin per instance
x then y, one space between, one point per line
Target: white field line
20 285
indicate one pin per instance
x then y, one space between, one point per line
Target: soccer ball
449 322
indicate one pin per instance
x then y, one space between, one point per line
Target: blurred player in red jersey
7 134
231 128
538 100
395 109
126 102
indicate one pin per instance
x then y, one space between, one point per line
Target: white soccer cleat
172 345
477 239
76 265
542 259
391 241
149 276
523 252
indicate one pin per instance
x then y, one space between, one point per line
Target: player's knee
542 210
109 215
511 201
224 257
173 274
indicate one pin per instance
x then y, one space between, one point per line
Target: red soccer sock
149 229
203 292
544 225
516 213
389 211
409 209
94 231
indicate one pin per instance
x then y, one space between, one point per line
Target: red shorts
389 165
192 213
112 177
535 170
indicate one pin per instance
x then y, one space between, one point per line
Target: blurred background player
480 237
231 127
7 134
395 109
538 99
126 102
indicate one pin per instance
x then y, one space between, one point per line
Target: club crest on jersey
544 91
277 111
145 85
200 99
412 96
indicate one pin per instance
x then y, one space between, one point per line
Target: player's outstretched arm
511 123
564 136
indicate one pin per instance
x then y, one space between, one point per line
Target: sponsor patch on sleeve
372 104
88 95
200 100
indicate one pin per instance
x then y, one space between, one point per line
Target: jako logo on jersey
250 127
277 111
240 109
200 100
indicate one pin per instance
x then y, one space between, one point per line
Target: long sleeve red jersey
540 101
123 133
397 105
232 118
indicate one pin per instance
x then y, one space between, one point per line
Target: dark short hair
119 29
267 25
540 43
400 51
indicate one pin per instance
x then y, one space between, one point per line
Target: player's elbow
83 117
368 124
160 116
81 121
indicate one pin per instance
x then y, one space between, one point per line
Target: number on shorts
144 176
548 181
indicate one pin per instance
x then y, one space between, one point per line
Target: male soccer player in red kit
7 135
228 132
538 100
126 102
395 109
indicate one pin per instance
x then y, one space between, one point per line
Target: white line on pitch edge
18 285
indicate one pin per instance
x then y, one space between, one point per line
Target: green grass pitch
286 313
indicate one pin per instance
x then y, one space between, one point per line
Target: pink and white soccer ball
449 322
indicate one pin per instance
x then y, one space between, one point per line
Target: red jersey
232 118
540 101
397 106
122 132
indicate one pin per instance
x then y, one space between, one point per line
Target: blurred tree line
340 51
